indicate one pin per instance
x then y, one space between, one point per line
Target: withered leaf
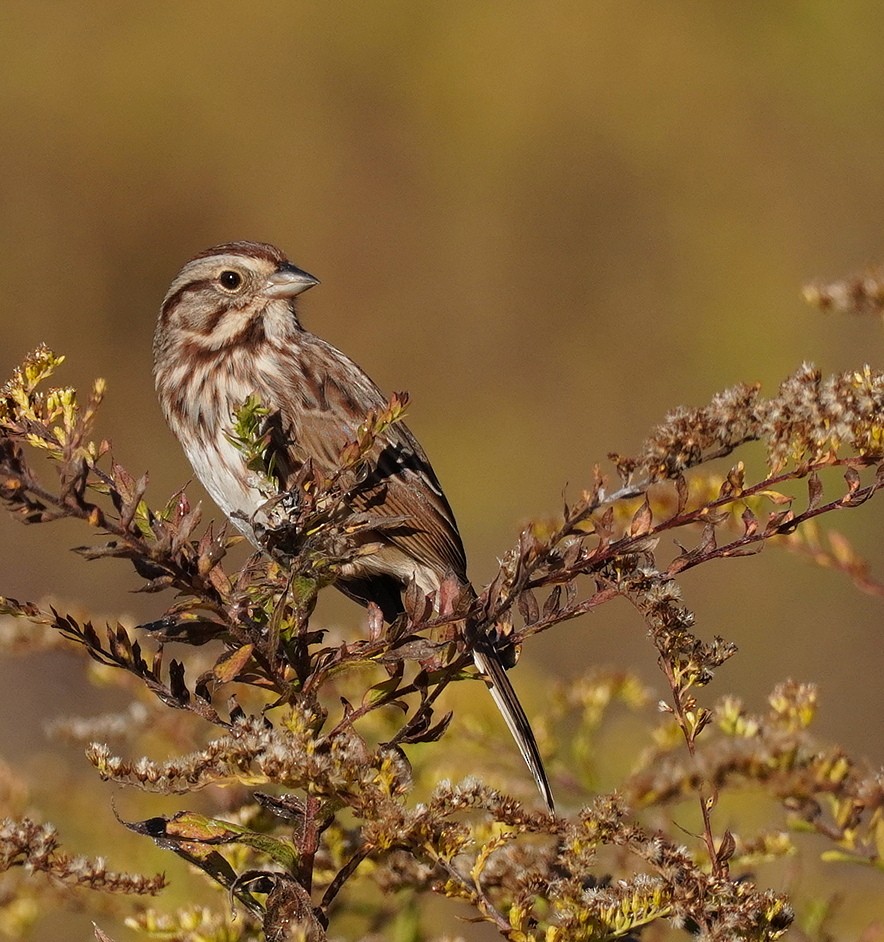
285 807
448 594
229 665
419 649
682 493
779 522
202 856
814 491
726 848
551 604
775 497
177 684
528 607
421 731
375 622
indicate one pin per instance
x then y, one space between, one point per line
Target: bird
229 329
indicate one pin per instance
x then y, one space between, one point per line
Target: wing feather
321 415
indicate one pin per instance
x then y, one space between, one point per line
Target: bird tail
504 694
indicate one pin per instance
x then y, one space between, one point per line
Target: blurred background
549 222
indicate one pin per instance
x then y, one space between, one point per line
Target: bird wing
324 407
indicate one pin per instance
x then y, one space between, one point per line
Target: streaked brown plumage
228 329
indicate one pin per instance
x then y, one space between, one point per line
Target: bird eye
230 280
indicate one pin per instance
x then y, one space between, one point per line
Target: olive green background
550 222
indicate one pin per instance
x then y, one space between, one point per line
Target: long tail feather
508 703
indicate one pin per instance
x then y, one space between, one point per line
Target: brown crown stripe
249 249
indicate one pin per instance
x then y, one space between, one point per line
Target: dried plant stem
689 731
281 692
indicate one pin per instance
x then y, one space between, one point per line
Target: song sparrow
227 330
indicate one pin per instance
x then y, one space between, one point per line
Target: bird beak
287 282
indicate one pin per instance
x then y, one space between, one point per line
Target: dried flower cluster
35 846
859 294
809 420
329 808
